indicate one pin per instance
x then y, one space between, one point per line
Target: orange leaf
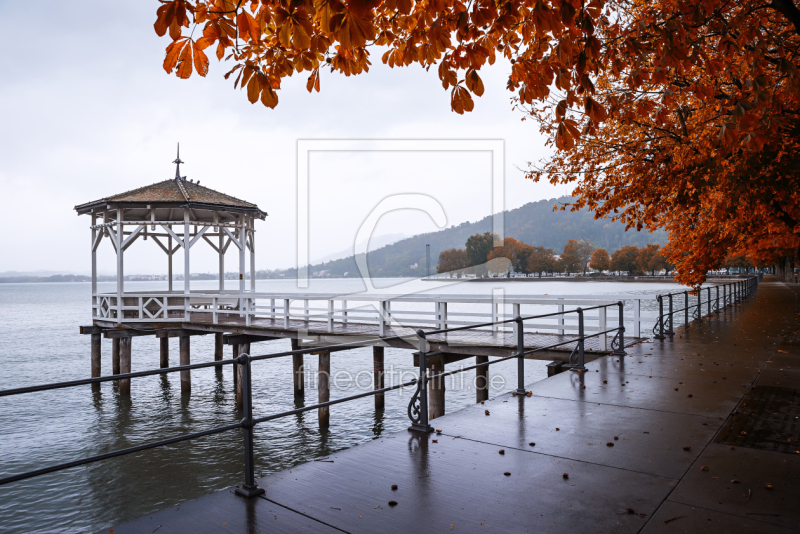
171 59
474 82
185 61
253 89
313 81
461 100
269 97
200 60
166 14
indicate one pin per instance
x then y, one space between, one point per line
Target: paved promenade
695 434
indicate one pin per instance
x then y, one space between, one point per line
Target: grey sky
87 111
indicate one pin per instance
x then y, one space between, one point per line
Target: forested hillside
534 223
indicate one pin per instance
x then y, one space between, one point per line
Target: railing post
709 302
603 325
637 317
382 319
670 330
520 355
660 322
286 305
344 312
685 309
581 360
620 350
249 488
717 291
561 319
418 406
330 315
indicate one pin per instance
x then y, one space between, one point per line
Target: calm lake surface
39 343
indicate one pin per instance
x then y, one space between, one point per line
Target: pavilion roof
176 192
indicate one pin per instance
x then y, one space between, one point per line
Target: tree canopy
673 114
600 261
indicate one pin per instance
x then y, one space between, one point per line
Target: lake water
39 343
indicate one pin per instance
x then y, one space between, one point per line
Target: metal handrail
417 408
739 290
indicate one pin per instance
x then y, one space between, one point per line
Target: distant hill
534 223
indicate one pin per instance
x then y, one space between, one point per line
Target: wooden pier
670 438
178 214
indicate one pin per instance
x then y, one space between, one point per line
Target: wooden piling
218 346
435 388
235 348
324 388
378 375
115 355
481 379
244 348
185 359
125 364
298 371
164 350
96 370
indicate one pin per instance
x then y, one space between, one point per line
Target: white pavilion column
221 258
120 264
94 259
187 237
169 261
251 224
242 249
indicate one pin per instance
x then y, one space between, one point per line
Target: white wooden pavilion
175 214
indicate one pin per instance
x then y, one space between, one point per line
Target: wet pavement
698 433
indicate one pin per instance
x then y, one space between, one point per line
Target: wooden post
235 348
125 364
218 347
481 379
244 348
185 359
378 375
96 341
298 371
115 355
164 352
435 388
324 388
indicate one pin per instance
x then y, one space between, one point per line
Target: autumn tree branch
788 10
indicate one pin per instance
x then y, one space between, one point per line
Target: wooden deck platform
636 444
315 333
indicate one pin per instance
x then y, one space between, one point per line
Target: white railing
435 311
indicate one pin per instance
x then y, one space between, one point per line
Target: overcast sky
87 111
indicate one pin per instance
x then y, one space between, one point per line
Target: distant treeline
534 223
481 255
54 278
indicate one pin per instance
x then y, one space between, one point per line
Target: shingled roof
177 192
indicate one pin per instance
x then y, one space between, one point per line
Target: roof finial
177 163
